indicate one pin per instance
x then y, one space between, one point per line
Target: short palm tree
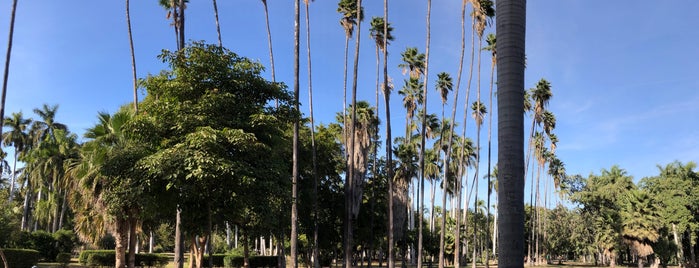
18 138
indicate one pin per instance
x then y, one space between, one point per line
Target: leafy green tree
603 200
641 223
209 121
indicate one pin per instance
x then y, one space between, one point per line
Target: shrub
218 260
43 242
107 258
151 260
97 257
66 240
107 242
20 258
255 261
63 258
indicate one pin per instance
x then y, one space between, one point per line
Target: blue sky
623 72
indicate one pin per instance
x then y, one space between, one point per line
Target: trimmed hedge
218 260
20 258
108 258
151 260
255 261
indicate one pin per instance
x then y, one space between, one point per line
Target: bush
43 242
151 260
20 258
63 258
218 260
66 240
108 258
97 257
107 242
255 261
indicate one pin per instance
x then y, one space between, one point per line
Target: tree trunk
14 172
511 21
151 240
295 149
269 42
133 238
64 208
179 243
4 259
181 24
314 249
133 59
7 66
218 27
246 251
25 210
680 250
121 239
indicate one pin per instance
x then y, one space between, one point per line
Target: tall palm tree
18 138
218 27
315 252
423 138
510 32
350 17
389 147
295 149
491 43
133 57
356 185
376 33
7 62
479 111
444 86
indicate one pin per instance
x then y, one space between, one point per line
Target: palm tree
412 99
18 138
510 34
479 112
133 58
356 185
423 134
376 33
218 27
46 126
315 253
350 17
389 147
444 86
295 149
491 41
7 63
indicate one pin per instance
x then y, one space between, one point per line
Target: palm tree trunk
315 252
133 238
133 58
295 149
352 168
680 250
479 122
26 205
181 25
218 27
14 173
344 92
269 41
511 25
423 132
490 172
120 233
7 66
4 259
64 208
